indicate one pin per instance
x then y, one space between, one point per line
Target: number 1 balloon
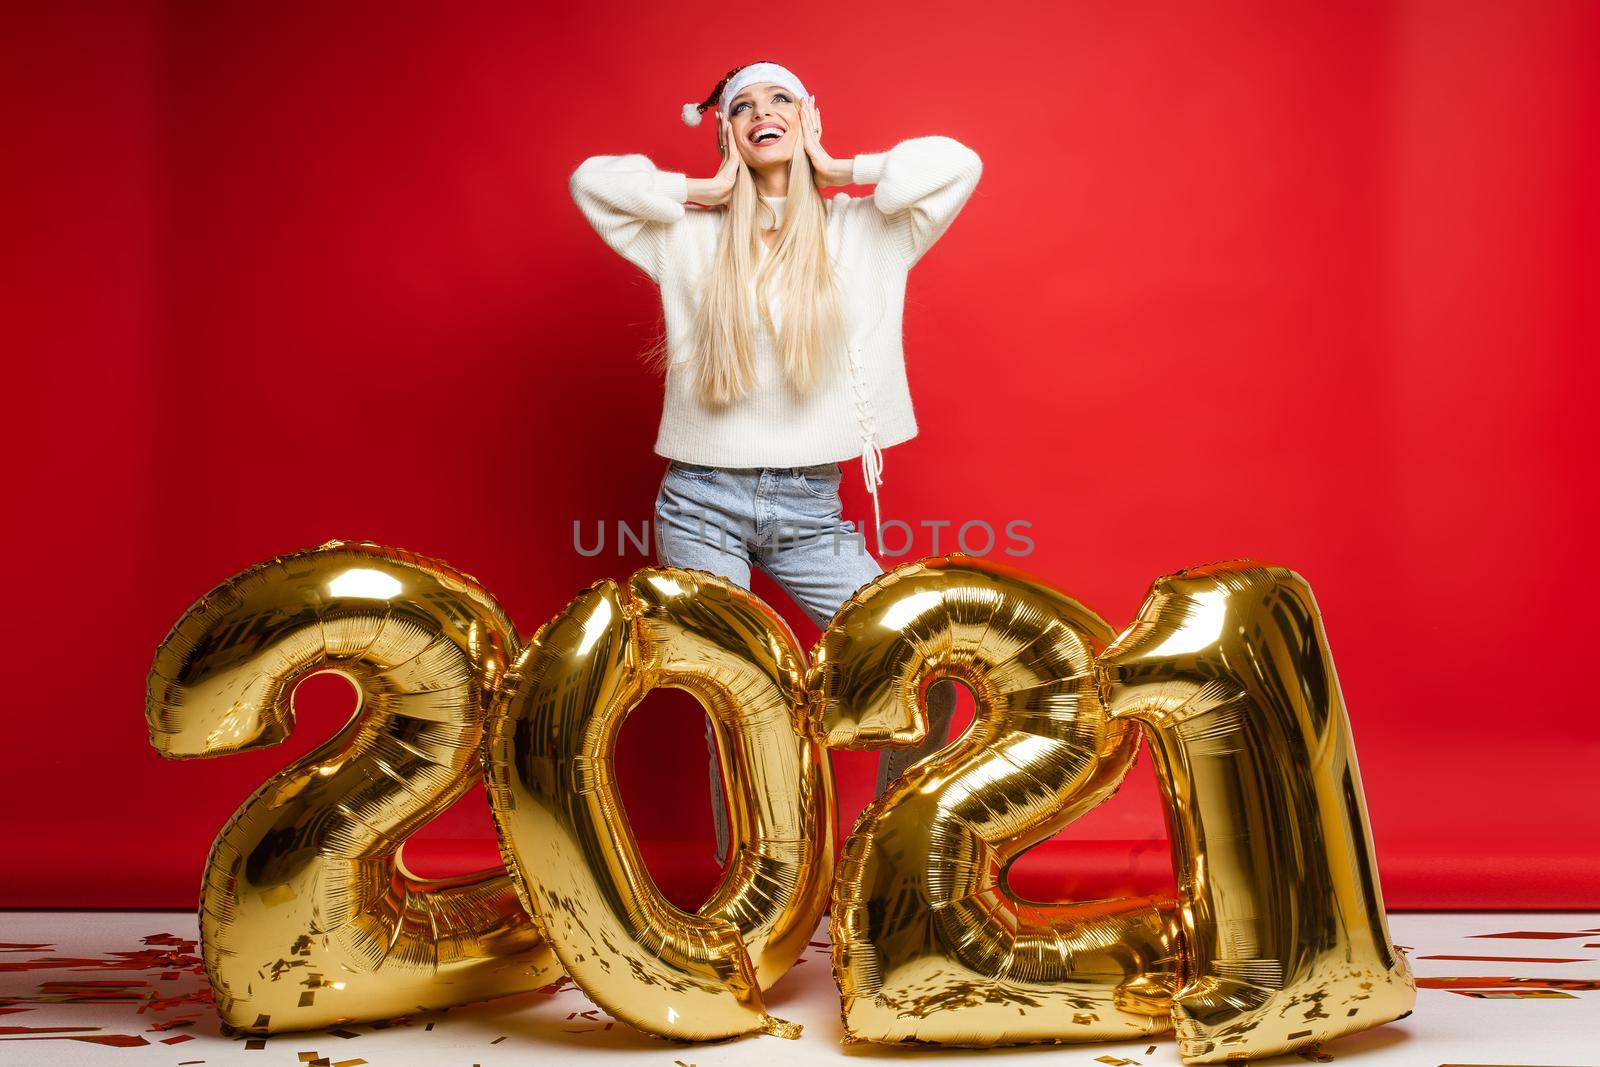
1228 668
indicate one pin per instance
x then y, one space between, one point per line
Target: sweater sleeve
921 185
632 206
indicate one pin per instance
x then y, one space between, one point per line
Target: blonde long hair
811 335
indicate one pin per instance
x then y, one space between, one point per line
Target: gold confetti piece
428 1027
1114 1061
347 1034
307 1057
348 1063
497 1040
1514 994
1150 1051
255 1044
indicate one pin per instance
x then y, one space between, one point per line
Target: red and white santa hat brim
754 74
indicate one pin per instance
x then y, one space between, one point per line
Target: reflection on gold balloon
1228 668
565 835
929 945
307 917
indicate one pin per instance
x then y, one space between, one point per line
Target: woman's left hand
825 169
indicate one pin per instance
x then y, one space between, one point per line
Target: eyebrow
751 92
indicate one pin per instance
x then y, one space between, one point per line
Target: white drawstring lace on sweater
871 453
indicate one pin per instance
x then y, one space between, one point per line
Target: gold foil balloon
565 835
929 945
1228 668
307 916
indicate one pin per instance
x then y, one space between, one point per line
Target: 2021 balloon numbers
1278 939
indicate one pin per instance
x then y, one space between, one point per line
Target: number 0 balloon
566 838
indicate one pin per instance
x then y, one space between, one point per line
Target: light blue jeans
789 522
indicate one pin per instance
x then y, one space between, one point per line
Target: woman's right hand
718 189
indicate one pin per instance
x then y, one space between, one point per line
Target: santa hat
736 81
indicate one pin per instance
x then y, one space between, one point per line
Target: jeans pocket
821 481
692 471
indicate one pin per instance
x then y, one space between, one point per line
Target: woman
782 342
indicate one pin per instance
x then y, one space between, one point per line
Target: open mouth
765 134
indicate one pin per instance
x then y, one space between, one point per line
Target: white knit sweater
873 241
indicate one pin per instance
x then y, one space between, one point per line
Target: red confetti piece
150 959
1536 935
1509 959
114 1040
49 1029
91 985
177 1039
171 1024
1508 983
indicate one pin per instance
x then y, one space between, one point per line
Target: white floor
1558 1028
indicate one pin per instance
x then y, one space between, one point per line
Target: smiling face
765 120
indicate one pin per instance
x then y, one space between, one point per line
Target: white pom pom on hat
740 77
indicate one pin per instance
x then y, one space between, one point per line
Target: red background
1313 283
